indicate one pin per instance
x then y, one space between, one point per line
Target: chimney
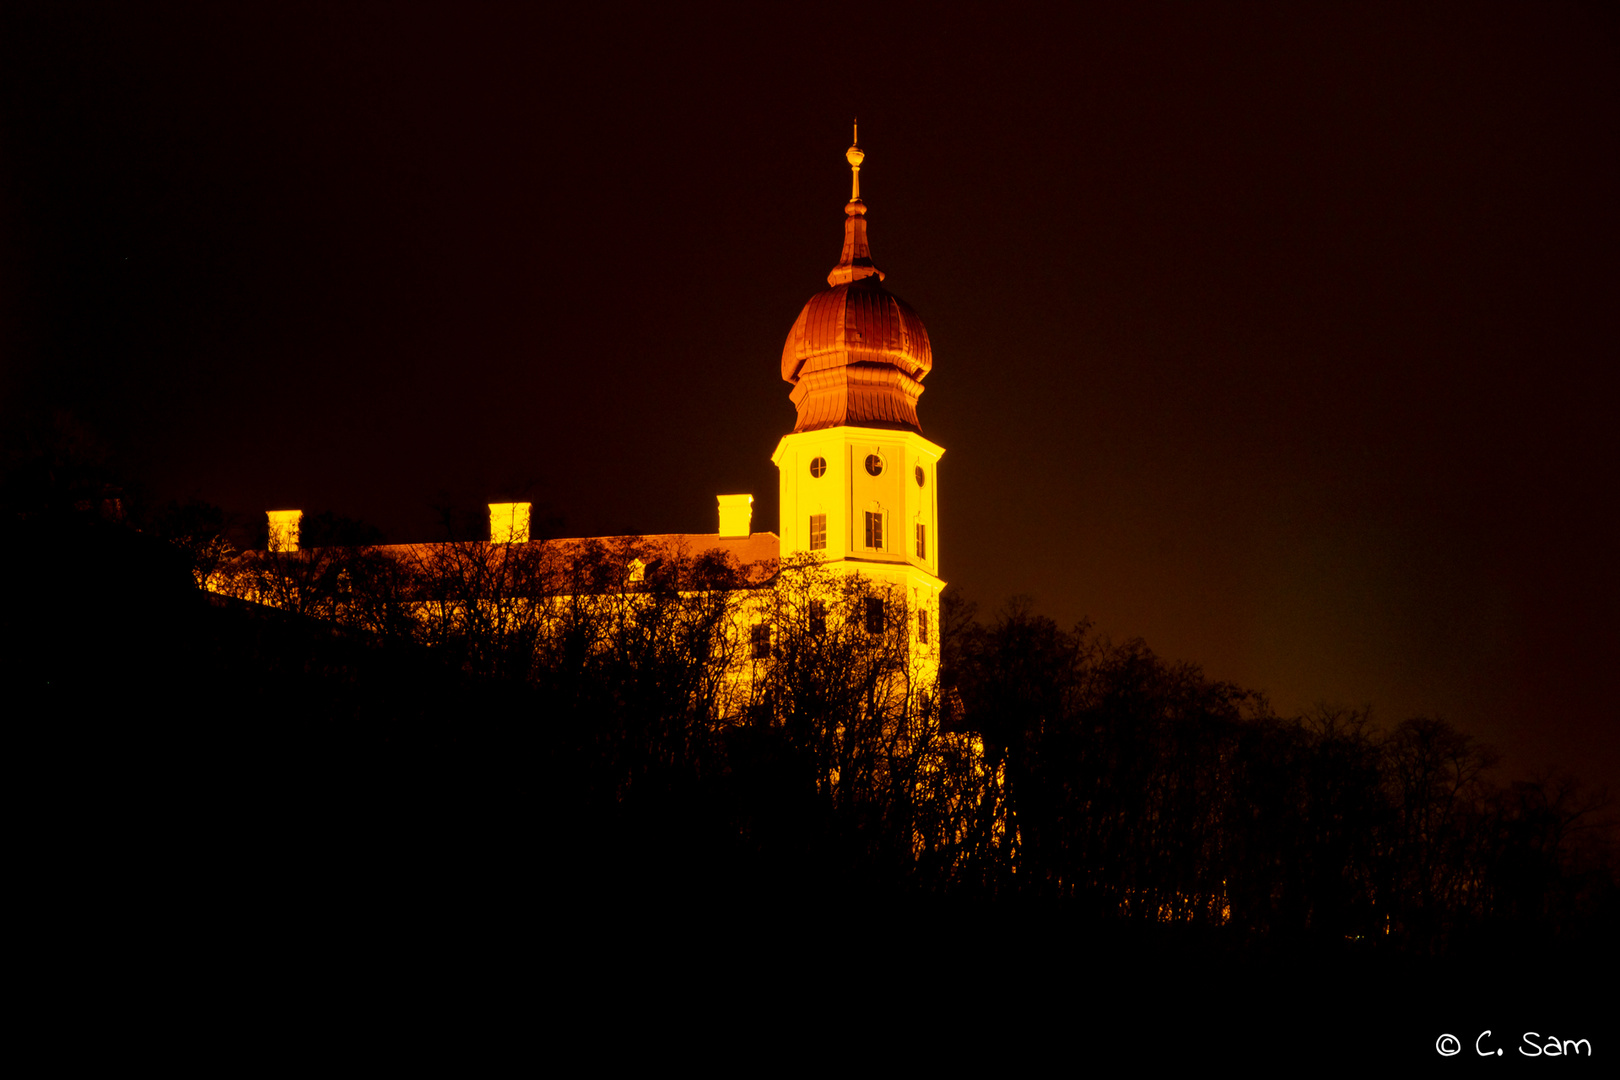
284 529
736 514
509 523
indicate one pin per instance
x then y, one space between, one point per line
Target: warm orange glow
858 495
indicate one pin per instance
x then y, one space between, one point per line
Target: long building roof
755 557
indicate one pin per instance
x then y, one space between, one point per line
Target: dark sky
1282 336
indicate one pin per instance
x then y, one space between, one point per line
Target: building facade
858 482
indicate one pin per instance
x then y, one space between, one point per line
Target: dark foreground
257 821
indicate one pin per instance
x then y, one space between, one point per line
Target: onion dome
857 353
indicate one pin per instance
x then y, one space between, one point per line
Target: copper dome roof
857 354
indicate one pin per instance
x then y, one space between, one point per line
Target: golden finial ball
854 156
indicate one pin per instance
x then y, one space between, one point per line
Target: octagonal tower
858 481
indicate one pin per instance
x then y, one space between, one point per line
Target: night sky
1281 336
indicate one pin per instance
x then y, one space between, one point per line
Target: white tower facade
858 482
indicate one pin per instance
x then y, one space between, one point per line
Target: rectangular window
922 541
874 528
818 532
762 641
922 622
818 618
874 615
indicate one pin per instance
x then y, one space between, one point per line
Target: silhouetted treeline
1142 791
502 715
1051 765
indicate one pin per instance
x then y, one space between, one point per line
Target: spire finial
854 156
856 261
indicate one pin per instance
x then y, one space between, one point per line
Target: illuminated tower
858 481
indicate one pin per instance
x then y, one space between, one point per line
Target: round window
818 466
919 476
874 464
